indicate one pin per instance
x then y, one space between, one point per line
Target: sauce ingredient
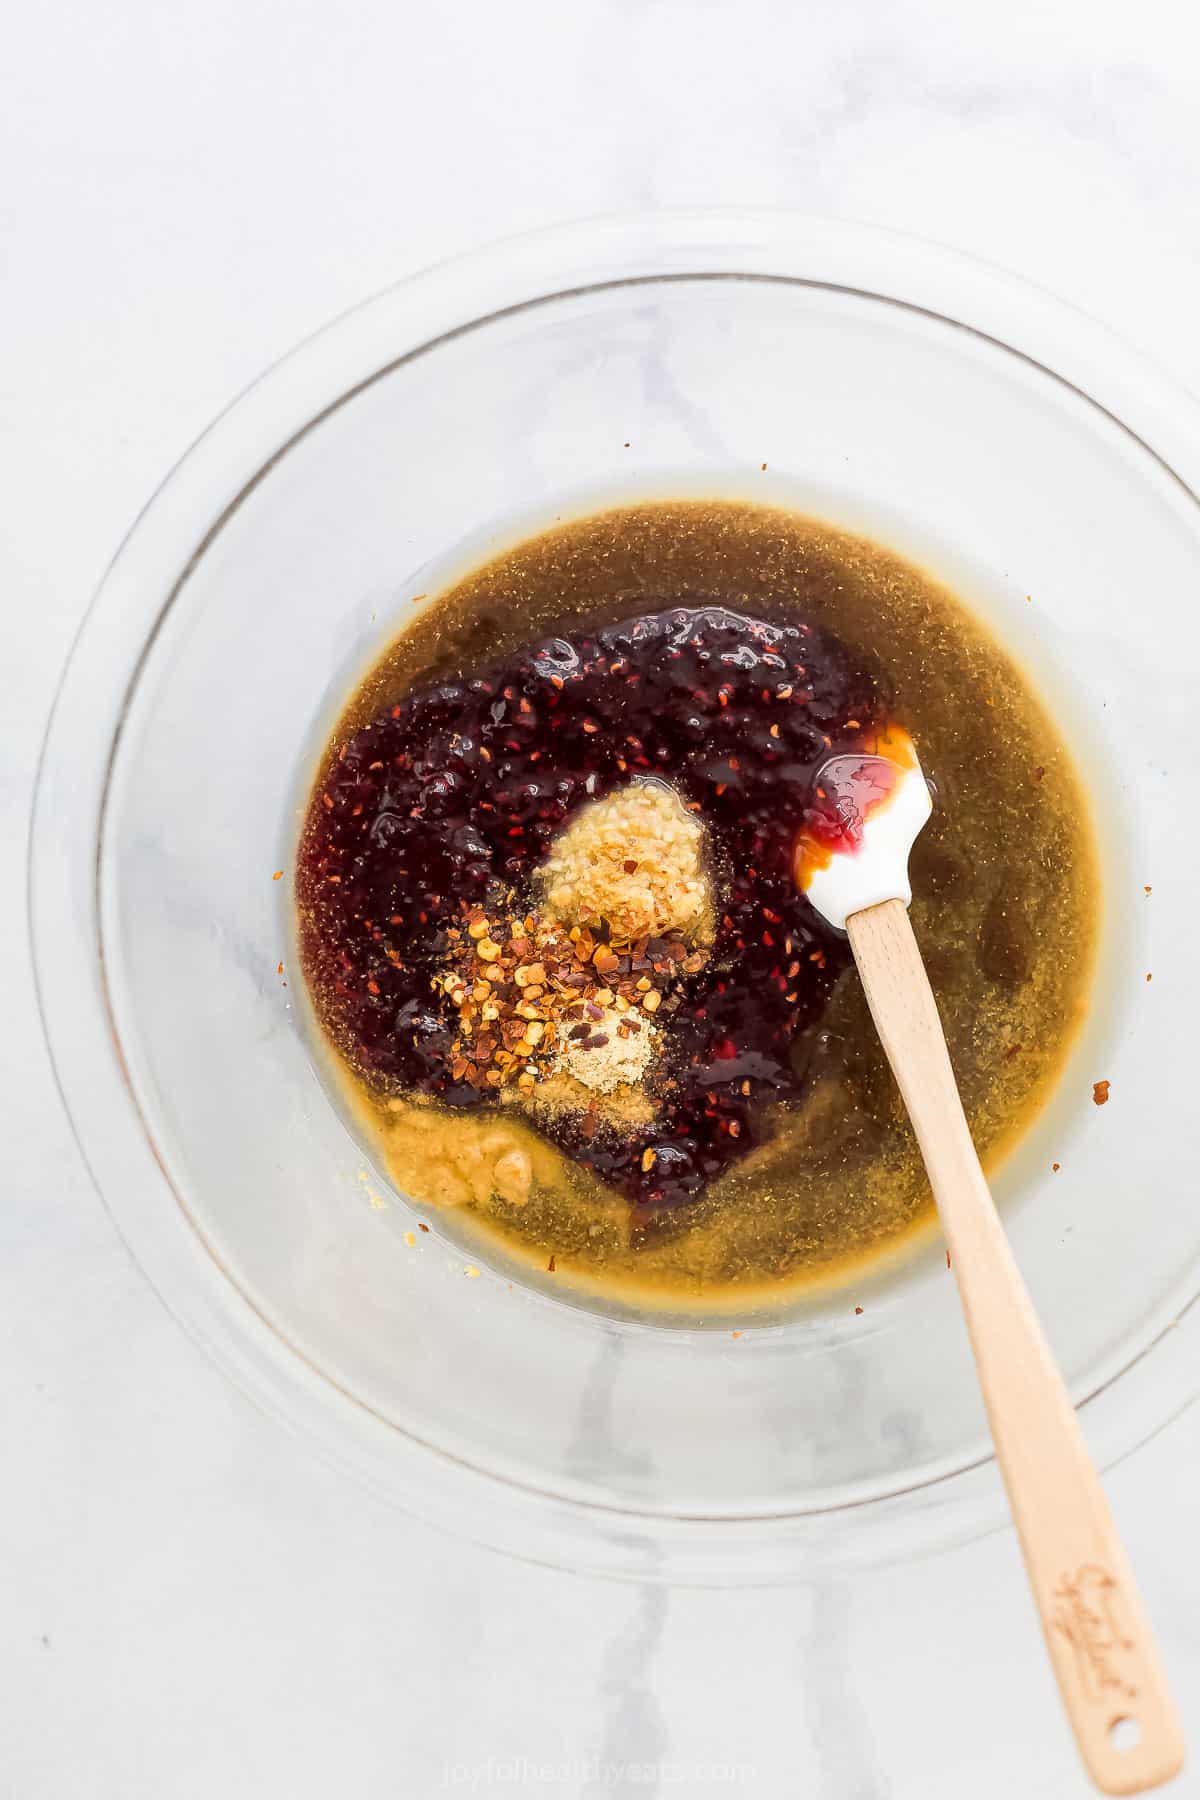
531 994
631 861
833 1180
459 788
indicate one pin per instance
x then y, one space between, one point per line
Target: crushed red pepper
526 986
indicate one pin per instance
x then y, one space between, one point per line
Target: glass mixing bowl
1002 440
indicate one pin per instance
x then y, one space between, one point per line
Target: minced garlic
633 860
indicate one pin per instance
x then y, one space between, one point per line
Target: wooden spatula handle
1099 1637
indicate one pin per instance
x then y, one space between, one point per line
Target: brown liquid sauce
1005 885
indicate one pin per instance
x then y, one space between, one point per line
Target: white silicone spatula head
868 809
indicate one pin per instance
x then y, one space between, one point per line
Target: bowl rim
191 505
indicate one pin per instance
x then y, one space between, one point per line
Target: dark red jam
455 791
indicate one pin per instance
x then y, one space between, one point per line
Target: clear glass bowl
1004 441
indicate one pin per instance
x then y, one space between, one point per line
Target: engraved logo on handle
1088 1612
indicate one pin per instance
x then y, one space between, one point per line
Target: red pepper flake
417 597
764 471
1100 1092
421 1225
372 987
278 875
858 1309
1149 890
396 711
1149 977
1055 1167
279 968
1038 773
947 1259
737 1334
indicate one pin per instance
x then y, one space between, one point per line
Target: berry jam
454 791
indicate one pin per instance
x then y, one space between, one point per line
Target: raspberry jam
454 791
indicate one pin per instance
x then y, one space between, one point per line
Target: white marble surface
191 1605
